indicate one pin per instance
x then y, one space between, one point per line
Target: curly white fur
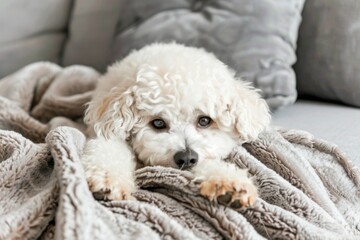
177 84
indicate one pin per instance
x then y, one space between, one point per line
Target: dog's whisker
182 166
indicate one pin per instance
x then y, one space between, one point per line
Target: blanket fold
308 189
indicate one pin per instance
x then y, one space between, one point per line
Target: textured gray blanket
307 187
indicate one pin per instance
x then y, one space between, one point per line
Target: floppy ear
247 114
112 114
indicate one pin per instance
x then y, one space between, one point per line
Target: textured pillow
257 38
329 51
31 31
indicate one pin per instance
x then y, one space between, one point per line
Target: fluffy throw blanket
307 187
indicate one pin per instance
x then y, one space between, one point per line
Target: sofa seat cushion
332 122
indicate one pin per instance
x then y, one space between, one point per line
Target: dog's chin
155 160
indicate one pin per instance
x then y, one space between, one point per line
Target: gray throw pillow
257 38
31 31
328 64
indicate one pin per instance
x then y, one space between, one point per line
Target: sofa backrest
256 38
32 31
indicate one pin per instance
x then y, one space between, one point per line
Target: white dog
175 106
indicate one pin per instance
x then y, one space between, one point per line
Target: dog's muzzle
186 159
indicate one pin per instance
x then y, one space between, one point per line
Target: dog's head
176 106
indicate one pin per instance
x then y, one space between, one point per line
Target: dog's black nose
186 159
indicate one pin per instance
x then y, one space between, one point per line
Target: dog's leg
225 183
109 167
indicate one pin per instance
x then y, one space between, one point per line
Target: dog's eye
204 121
158 123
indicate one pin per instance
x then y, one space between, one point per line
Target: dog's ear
246 113
113 114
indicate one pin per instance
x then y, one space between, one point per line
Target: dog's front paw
109 168
107 186
234 192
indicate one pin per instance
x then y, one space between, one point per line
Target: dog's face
179 139
176 106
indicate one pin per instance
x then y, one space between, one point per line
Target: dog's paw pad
111 196
108 188
100 195
235 193
225 199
